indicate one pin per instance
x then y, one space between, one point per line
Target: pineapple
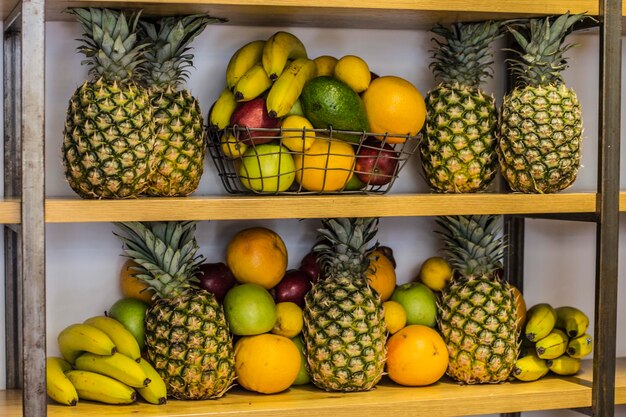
179 133
187 337
458 148
541 124
107 136
344 330
477 311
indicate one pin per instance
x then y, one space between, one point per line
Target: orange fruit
395 316
416 356
266 363
258 256
326 166
381 275
393 105
133 287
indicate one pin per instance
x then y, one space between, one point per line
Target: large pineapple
344 330
458 148
187 337
477 312
107 137
541 124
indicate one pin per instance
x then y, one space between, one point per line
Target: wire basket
281 161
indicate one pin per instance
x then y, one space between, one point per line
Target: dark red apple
216 278
253 115
293 287
376 162
310 266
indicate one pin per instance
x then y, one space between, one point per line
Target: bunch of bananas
101 362
555 340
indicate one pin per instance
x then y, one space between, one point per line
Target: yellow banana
78 338
580 346
287 88
530 368
242 60
572 320
95 387
564 365
58 386
222 109
252 84
553 345
278 49
125 342
540 320
116 366
156 391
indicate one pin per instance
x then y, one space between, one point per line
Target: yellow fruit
435 273
231 147
520 308
326 166
289 319
393 105
133 287
353 71
381 275
395 316
325 65
297 141
266 363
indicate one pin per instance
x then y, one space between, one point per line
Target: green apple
131 312
303 376
267 168
419 302
249 310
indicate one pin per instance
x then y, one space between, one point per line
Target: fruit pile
288 123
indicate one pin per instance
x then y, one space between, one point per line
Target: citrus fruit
395 316
231 147
132 314
381 275
289 319
418 301
435 273
325 65
266 363
353 71
297 141
303 376
416 356
393 105
134 287
325 166
267 168
249 310
257 255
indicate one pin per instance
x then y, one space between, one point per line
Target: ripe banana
530 368
564 365
116 366
58 386
252 84
553 345
156 391
580 346
287 88
125 342
242 60
222 109
95 387
78 338
572 320
278 49
540 320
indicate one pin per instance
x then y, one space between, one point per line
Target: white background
83 260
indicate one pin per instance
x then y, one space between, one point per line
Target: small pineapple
458 148
107 139
187 337
344 330
477 312
541 124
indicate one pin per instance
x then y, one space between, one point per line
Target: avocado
328 102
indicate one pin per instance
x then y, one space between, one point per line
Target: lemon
325 65
289 319
297 141
231 147
435 273
353 71
395 316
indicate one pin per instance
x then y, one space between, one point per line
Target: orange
326 166
394 106
258 256
416 356
381 275
133 287
266 363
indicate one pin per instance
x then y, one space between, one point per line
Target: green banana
287 88
156 391
78 338
553 345
125 342
222 110
564 365
572 320
529 368
95 387
252 84
278 49
58 386
580 346
540 320
242 60
116 366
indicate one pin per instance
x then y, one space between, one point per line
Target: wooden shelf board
10 211
622 201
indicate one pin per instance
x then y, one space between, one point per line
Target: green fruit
328 102
354 184
249 309
419 302
296 109
132 314
303 375
267 168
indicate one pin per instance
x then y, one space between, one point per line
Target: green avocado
328 102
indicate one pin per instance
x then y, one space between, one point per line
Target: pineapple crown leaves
167 58
110 44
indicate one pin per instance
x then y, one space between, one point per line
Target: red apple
216 278
376 163
253 115
310 266
293 287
